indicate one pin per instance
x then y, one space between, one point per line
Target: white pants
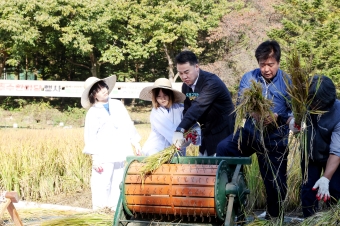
105 186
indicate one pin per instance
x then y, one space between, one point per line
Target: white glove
138 148
323 192
178 139
292 126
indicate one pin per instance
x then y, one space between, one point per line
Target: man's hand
323 192
255 116
271 118
97 166
178 139
293 127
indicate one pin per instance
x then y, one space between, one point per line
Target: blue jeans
308 196
272 164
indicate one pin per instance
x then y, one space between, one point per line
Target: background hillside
242 31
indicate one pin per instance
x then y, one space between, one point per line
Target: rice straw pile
153 162
330 217
49 217
253 102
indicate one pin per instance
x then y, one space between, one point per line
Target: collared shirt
194 85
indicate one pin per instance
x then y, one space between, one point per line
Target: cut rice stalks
252 103
330 217
44 217
298 90
153 162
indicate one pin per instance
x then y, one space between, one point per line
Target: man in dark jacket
208 102
323 147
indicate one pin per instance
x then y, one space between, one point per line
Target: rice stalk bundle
153 162
252 102
298 88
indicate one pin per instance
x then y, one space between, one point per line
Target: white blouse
163 126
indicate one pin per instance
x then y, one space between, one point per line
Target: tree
313 26
77 38
170 26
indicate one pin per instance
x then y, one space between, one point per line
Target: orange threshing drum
178 189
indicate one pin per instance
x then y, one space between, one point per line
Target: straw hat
110 81
146 93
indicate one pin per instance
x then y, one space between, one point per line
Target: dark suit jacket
211 105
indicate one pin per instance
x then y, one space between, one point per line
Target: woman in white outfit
165 116
108 135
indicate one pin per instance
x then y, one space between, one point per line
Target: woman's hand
97 167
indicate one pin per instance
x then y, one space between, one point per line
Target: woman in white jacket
165 115
108 135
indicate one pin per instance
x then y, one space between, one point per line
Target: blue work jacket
276 91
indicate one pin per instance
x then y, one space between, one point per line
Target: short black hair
186 56
321 93
155 93
95 89
267 49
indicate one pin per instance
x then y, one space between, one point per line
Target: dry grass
43 217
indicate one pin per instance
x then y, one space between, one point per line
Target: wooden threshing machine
188 191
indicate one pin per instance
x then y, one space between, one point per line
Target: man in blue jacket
272 156
207 102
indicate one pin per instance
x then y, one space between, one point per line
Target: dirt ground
79 199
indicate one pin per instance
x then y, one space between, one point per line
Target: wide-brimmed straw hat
110 82
163 83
